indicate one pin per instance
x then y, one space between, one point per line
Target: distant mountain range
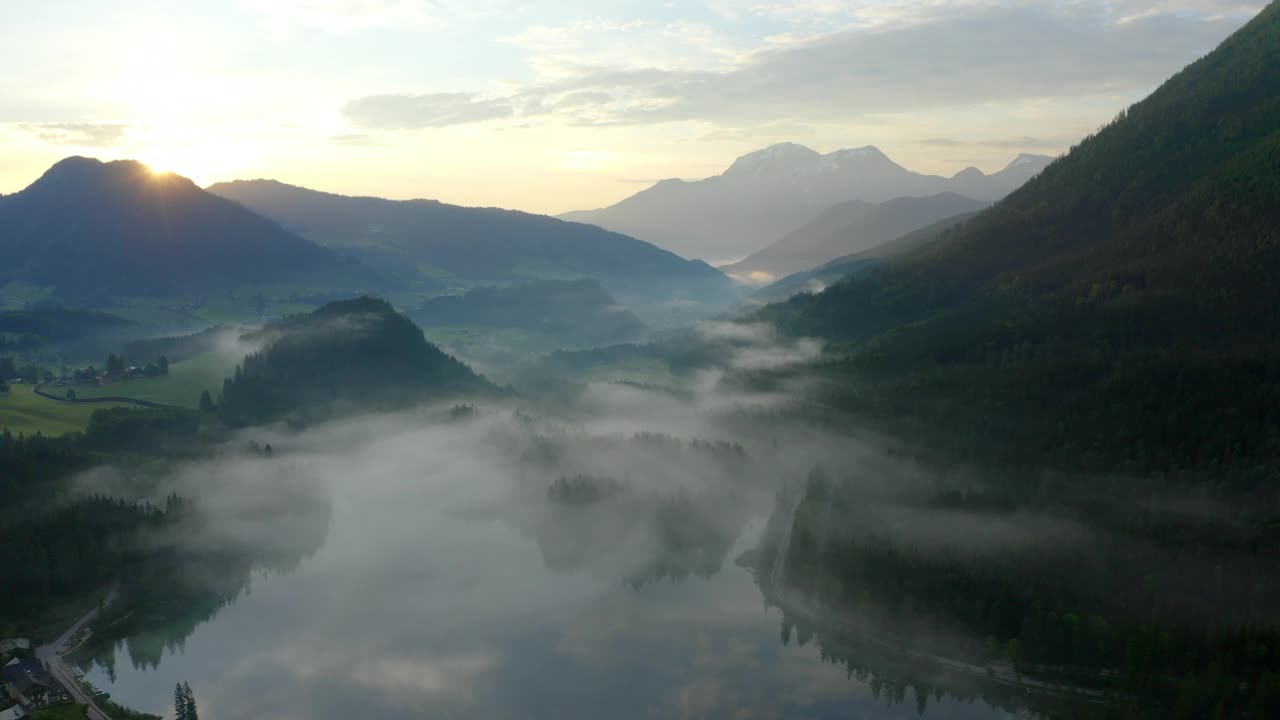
91 229
446 248
846 229
767 194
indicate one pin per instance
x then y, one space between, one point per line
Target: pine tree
192 714
184 703
179 703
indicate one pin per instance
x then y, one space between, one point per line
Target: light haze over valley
855 358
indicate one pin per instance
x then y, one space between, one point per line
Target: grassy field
180 387
21 411
67 711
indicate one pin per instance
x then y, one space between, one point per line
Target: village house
26 681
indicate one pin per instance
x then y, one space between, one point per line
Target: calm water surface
427 600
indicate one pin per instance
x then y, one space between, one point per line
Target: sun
158 171
199 160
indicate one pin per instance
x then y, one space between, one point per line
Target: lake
433 595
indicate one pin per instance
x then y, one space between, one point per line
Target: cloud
353 139
282 18
1007 143
78 134
434 110
880 14
559 51
995 54
912 58
583 97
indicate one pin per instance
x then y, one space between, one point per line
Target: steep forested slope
348 355
1118 311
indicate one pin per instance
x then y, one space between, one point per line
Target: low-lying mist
431 557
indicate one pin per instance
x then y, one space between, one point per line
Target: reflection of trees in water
629 530
1025 626
196 569
640 536
847 626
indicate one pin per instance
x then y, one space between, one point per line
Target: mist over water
494 562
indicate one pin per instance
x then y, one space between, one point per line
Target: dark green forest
346 355
1117 313
1160 614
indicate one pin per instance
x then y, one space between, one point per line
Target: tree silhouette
184 702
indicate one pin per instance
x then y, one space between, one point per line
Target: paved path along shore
51 655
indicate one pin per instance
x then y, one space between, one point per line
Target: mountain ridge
767 194
444 248
847 229
93 228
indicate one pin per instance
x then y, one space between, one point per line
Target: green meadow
22 411
181 387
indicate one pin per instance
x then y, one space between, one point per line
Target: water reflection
454 579
265 520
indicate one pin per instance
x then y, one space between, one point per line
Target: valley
817 436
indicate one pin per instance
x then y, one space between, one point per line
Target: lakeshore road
51 655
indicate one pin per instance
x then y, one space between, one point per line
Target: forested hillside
351 354
1117 312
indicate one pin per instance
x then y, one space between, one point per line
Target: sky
558 105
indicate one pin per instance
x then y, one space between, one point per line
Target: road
118 400
51 656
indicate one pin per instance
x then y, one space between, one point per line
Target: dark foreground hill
346 356
91 229
1119 311
445 248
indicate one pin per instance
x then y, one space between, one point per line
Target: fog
509 559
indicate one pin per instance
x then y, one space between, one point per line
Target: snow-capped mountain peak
1028 162
780 158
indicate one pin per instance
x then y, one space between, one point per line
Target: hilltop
92 229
